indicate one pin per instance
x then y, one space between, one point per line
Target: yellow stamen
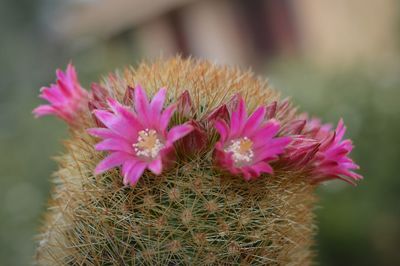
245 146
241 149
148 144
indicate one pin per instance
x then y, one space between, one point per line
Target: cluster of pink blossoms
138 135
67 97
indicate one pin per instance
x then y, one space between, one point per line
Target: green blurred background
335 59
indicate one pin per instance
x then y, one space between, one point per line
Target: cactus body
189 215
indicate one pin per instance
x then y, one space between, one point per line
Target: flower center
241 150
148 144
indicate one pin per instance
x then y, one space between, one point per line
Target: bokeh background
334 58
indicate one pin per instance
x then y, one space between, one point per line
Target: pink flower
220 113
67 98
137 139
280 111
247 144
195 143
98 100
128 96
300 153
184 106
302 149
316 129
98 95
332 161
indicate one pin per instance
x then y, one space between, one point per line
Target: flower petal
142 106
42 110
156 166
102 133
166 117
271 149
237 118
195 141
219 113
127 166
157 102
133 175
111 161
178 132
52 95
271 110
340 130
117 125
125 114
264 133
222 129
114 144
254 120
184 105
128 96
262 167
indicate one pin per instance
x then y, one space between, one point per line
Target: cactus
192 213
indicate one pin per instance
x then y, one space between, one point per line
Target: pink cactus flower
128 96
98 95
279 110
300 153
302 149
247 144
184 106
137 139
220 112
98 100
67 97
195 143
316 129
332 161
